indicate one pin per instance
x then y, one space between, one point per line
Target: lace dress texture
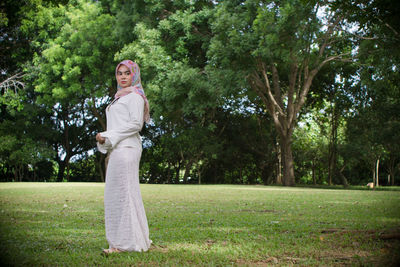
125 218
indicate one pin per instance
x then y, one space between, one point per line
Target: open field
47 224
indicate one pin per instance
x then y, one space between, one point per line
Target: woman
125 218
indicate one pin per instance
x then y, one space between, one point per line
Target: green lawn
208 225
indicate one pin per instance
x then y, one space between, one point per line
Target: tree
23 144
377 91
182 99
277 48
74 73
16 47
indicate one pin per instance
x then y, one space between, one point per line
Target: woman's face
124 76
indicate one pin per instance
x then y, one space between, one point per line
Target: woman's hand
100 138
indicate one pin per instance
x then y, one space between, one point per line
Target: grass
351 187
62 224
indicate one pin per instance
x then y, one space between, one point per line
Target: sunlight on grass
207 225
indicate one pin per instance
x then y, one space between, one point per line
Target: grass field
48 224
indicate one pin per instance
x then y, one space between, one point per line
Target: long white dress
125 217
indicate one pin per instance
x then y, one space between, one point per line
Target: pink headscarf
135 87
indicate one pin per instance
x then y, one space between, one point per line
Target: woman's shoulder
132 97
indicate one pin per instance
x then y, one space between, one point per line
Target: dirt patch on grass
158 248
266 262
341 247
346 247
269 261
382 234
344 256
382 257
260 211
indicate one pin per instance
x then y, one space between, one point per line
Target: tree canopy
282 92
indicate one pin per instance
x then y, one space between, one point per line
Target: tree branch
269 105
292 83
331 58
98 116
390 27
277 88
271 98
328 34
13 82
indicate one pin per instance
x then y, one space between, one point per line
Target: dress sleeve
135 107
103 148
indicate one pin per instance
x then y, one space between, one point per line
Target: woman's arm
135 107
104 146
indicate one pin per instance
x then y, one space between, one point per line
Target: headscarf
135 87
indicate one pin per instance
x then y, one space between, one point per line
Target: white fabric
103 148
124 121
125 218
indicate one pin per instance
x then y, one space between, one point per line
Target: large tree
277 48
74 70
24 142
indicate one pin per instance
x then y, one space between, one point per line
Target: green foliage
84 170
12 101
373 128
275 32
21 145
78 63
183 100
311 149
197 60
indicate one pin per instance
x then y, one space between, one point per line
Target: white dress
125 218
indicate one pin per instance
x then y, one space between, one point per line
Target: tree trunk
199 173
330 172
15 174
265 174
168 173
188 167
377 173
279 166
313 171
61 169
68 172
21 172
177 172
287 160
373 174
332 147
100 166
391 170
344 179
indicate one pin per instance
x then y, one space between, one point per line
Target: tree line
284 92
